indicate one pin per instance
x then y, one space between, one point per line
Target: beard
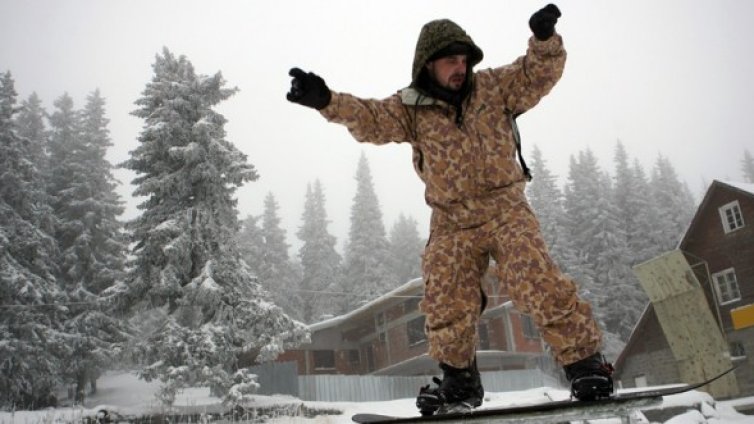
455 82
430 86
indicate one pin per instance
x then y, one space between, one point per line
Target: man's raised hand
308 89
542 22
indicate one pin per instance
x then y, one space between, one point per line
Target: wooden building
386 337
719 247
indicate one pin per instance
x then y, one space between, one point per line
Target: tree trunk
81 381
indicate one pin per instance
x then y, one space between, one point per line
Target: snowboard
621 404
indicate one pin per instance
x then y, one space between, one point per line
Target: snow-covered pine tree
62 145
747 167
89 236
33 307
366 271
277 273
251 244
674 203
547 201
622 299
599 243
632 198
320 262
637 215
31 126
198 304
582 194
625 197
406 249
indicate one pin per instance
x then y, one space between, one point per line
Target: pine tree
366 271
251 244
547 201
198 304
621 299
603 230
625 203
596 242
582 194
277 274
31 126
747 167
406 249
320 262
673 201
89 235
636 213
643 240
33 342
63 146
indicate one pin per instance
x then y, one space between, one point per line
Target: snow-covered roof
331 322
748 187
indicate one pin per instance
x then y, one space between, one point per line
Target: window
731 216
379 320
484 336
527 325
412 304
640 381
354 358
379 326
324 359
370 359
737 350
415 330
726 286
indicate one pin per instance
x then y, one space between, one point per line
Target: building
719 247
386 337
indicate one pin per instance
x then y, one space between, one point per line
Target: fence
282 379
277 378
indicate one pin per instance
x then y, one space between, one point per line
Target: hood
437 35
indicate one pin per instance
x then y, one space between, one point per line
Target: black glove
542 22
308 89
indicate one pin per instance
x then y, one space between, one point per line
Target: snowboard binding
459 391
591 378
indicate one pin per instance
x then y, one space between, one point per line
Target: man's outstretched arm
368 120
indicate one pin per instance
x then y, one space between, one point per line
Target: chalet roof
747 187
744 188
400 292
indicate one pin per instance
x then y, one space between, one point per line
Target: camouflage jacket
469 168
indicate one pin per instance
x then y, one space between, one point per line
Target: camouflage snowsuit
475 188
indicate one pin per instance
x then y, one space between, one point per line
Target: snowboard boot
459 390
591 378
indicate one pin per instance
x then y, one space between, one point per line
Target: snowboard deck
619 405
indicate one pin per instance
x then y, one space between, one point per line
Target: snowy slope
127 395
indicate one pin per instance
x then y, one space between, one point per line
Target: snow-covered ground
125 394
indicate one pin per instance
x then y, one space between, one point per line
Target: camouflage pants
454 263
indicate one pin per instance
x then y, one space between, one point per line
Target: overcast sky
665 77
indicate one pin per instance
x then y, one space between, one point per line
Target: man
461 127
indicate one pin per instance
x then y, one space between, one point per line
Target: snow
689 417
748 187
331 322
125 394
168 225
